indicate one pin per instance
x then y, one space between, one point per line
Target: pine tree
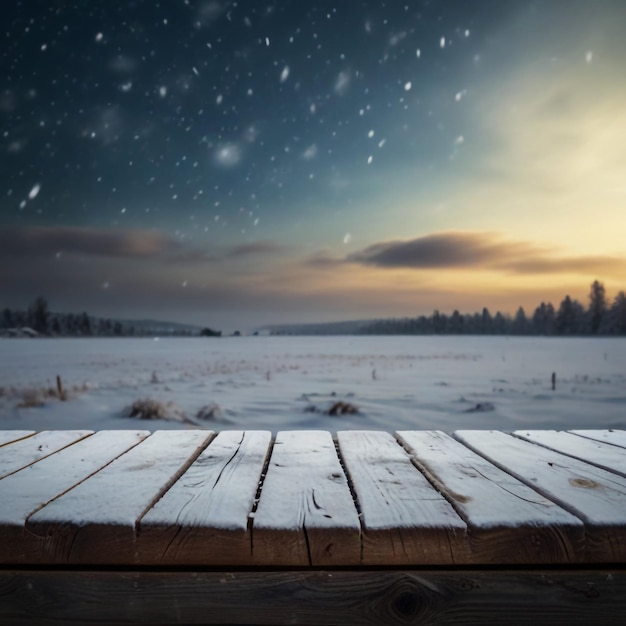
597 306
520 323
616 316
40 315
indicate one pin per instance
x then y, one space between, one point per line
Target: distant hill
351 327
157 326
50 323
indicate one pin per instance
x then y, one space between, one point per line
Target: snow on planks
306 515
204 517
27 451
595 495
96 521
9 436
603 455
186 498
405 521
508 522
25 492
614 437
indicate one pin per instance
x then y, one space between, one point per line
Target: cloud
439 250
255 249
50 241
480 250
55 241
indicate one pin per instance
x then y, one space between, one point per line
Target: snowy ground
291 382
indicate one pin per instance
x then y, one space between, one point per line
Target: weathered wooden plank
25 492
508 522
203 518
20 454
593 494
614 437
405 520
95 522
356 598
8 436
611 458
305 515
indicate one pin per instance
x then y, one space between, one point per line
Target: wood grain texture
356 598
305 515
604 455
508 522
203 518
614 437
95 523
8 436
594 495
25 452
28 490
405 520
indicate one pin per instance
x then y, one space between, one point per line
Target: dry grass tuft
336 408
31 398
343 408
149 409
209 412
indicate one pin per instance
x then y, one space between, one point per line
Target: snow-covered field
291 383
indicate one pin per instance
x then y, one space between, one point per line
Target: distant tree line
571 319
40 319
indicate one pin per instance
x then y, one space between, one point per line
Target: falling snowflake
342 83
228 155
99 37
370 134
163 91
284 75
347 238
370 159
407 86
442 42
310 152
418 53
589 56
32 194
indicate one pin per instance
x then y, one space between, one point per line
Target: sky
236 164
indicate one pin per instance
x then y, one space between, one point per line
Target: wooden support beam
313 597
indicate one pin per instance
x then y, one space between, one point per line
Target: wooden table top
366 498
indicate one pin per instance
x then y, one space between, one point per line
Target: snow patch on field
271 383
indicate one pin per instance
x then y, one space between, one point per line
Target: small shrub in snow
149 409
209 412
31 398
343 408
336 408
482 407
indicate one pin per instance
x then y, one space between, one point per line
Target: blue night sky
234 164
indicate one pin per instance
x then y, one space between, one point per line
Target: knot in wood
407 604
